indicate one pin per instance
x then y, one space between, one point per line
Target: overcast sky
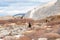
11 7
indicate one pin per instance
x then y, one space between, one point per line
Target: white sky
11 7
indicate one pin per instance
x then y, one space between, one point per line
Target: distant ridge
51 8
19 15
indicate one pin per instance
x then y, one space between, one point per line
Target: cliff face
45 11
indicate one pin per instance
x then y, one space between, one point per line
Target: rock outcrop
51 8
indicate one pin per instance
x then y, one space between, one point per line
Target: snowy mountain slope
52 8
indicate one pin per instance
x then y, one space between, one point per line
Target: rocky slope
18 29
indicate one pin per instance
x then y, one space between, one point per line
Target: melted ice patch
1 39
18 36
